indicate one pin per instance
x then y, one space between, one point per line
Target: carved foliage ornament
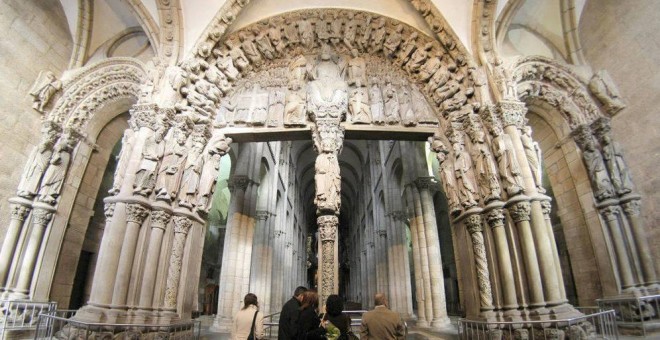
327 227
520 212
42 216
19 212
136 213
160 219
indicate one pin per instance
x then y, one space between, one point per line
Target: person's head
310 299
334 305
298 293
380 299
250 299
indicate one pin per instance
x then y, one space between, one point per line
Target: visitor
288 324
336 323
248 320
381 323
309 323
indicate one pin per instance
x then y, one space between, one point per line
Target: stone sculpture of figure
508 165
358 106
217 78
264 45
291 32
446 172
259 106
327 92
377 115
250 49
226 111
328 183
602 86
275 107
294 109
503 79
169 174
275 35
533 154
597 169
298 71
486 170
362 40
176 78
226 65
191 174
454 102
616 166
122 160
335 29
322 30
51 184
357 67
378 36
43 89
438 79
38 163
406 107
209 173
350 31
464 181
418 58
408 46
238 57
306 33
152 152
391 104
243 105
421 108
393 41
446 91
429 68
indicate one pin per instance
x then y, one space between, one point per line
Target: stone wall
621 37
34 36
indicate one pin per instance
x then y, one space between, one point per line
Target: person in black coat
334 308
309 323
288 324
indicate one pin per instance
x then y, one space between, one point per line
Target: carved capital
632 208
512 113
238 183
328 135
19 212
42 217
144 115
398 215
382 233
495 218
136 213
473 223
546 207
327 227
262 215
610 213
425 182
182 224
520 211
160 219
109 209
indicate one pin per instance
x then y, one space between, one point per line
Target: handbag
251 335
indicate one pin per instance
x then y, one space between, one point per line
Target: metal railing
21 314
600 325
60 325
634 315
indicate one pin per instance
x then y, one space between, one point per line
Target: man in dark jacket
289 316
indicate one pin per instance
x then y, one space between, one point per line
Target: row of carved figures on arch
204 80
179 162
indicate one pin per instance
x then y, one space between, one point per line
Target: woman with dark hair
249 320
309 321
336 323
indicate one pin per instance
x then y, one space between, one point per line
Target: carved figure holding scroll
51 185
38 163
464 181
533 155
169 174
43 89
446 172
152 152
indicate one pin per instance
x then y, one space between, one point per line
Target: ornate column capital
546 207
327 227
262 215
144 115
473 223
238 182
382 233
182 224
398 215
632 207
425 182
520 211
42 216
160 219
136 213
109 209
512 112
495 218
610 212
19 211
